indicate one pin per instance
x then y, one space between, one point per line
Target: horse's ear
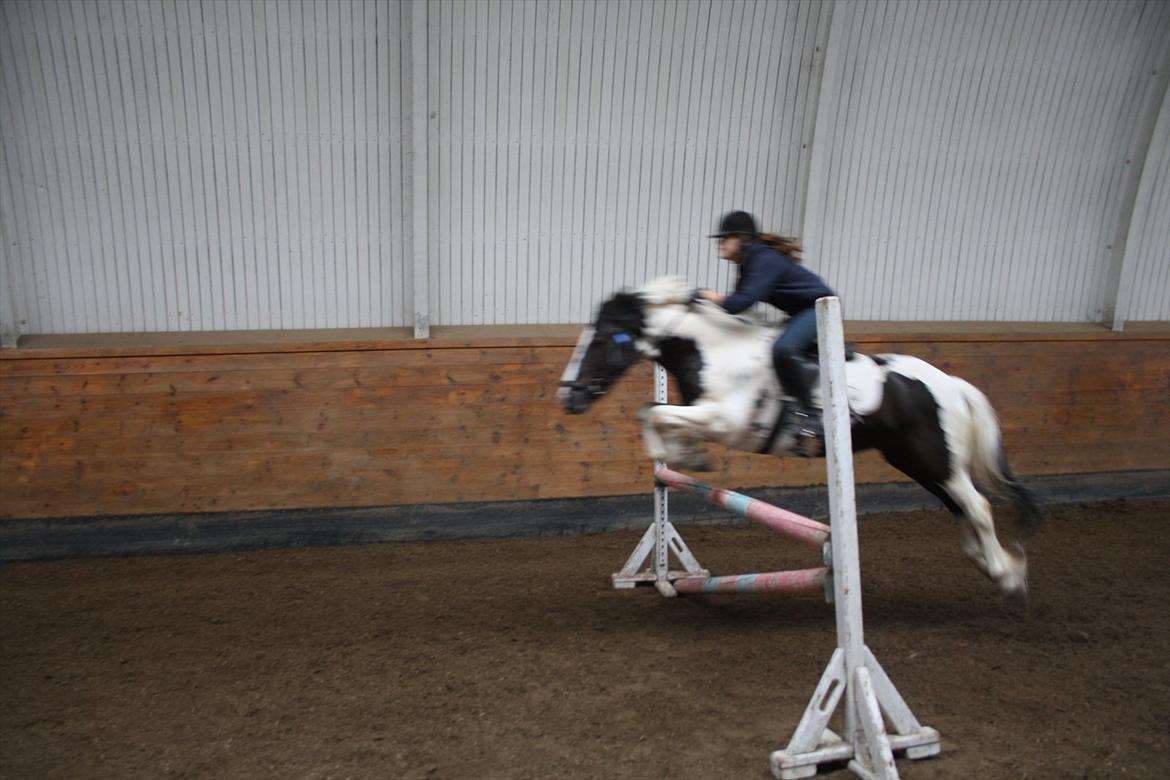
624 310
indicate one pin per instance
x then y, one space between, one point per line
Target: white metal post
842 501
661 501
9 317
824 124
1141 173
418 230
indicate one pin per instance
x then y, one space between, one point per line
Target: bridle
569 381
616 352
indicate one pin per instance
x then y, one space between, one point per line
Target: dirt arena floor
514 659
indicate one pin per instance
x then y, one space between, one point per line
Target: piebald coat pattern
938 429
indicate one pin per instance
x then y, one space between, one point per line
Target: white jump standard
853 679
853 675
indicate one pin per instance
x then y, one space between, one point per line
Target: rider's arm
755 282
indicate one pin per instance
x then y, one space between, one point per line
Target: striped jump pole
801 582
794 526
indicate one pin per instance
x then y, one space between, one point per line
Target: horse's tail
989 466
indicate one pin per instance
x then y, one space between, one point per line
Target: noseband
617 350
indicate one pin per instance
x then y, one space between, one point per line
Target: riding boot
803 419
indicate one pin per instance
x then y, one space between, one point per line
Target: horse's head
604 351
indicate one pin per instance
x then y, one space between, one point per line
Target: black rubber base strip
37 540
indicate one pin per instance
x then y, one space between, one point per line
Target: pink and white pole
800 582
783 522
803 582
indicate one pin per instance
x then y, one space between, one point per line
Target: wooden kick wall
121 431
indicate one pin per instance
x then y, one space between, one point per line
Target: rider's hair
788 245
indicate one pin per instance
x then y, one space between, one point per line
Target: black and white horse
936 428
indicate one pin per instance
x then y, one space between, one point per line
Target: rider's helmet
736 223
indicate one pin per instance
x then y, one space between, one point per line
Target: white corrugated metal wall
224 165
203 165
1145 282
582 146
972 157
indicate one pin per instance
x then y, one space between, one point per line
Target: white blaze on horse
936 428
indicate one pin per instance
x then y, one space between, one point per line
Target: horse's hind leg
979 540
954 488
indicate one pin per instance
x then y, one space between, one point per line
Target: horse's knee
653 442
667 417
718 428
646 414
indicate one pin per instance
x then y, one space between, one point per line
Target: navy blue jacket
769 276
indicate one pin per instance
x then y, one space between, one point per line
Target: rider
769 271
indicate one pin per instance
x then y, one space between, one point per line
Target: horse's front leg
653 440
675 433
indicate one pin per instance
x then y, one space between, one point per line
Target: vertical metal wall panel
976 152
583 146
173 165
1145 284
224 164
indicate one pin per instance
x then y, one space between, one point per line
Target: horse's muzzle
577 402
576 398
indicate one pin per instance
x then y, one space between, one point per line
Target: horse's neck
711 328
683 360
711 345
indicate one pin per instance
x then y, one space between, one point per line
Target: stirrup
807 421
809 432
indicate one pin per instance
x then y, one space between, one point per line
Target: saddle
810 365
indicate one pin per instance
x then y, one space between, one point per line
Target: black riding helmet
736 223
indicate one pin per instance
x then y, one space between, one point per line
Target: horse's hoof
1014 582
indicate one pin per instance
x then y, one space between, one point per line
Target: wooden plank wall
123 431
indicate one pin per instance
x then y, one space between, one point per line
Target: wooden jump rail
802 582
794 526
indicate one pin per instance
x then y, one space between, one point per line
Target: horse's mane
666 290
717 315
